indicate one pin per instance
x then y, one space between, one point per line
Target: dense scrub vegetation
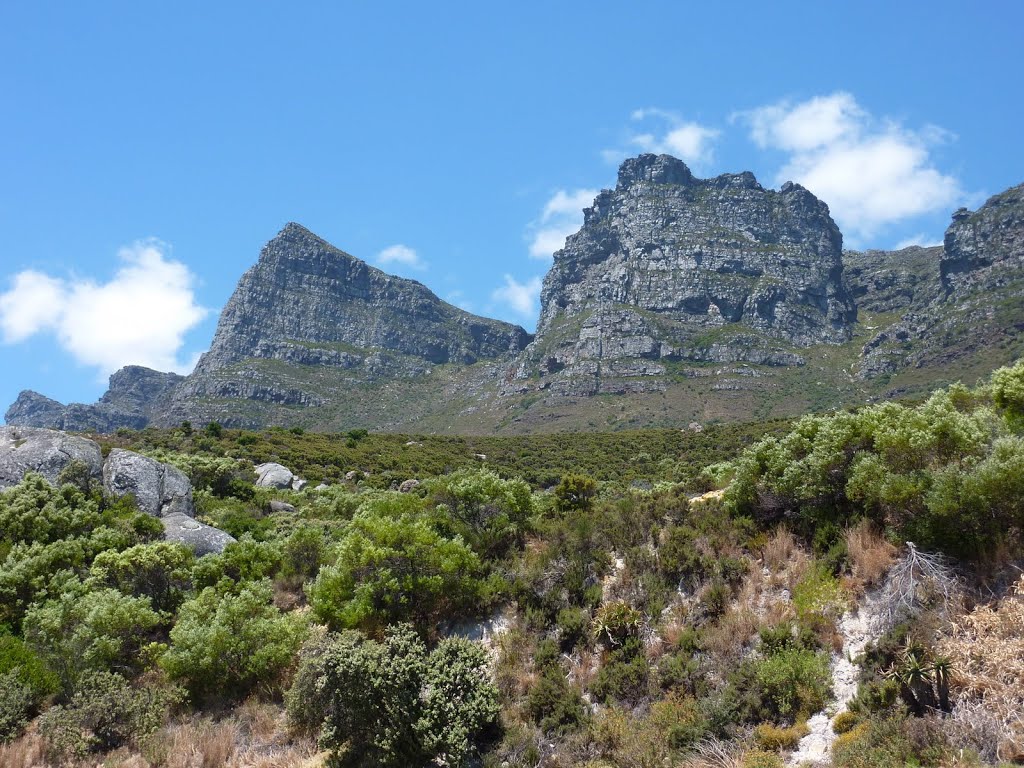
630 614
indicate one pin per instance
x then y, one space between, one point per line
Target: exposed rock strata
671 267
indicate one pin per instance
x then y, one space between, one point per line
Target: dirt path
857 627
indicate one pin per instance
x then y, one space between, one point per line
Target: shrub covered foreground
643 621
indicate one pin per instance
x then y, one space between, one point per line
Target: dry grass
26 752
785 560
870 555
986 647
254 737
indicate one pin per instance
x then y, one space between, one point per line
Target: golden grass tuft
28 751
870 555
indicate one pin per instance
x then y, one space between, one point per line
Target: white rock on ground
271 475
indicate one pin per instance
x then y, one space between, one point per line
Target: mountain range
679 300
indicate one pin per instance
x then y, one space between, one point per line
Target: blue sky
147 150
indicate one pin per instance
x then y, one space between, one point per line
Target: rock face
679 300
309 303
893 281
136 396
24 449
671 267
159 489
973 321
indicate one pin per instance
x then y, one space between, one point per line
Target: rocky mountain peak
308 302
670 266
653 169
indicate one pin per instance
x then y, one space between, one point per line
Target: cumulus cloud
521 298
561 217
139 317
401 255
872 173
662 131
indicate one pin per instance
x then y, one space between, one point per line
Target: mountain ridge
681 299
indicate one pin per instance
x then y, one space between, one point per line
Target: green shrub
16 704
161 571
575 493
573 628
555 704
758 758
17 657
790 684
489 513
303 552
844 722
34 511
240 562
90 631
105 713
225 645
389 570
391 703
774 738
625 674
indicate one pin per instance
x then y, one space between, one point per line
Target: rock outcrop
47 452
306 302
159 489
272 475
136 396
671 267
164 492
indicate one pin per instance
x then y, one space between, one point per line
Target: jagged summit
306 301
670 266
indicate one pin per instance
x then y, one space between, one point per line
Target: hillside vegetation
632 599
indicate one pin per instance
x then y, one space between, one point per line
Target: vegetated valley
838 589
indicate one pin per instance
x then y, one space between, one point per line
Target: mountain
668 267
680 299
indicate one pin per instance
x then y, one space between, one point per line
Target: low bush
392 703
105 713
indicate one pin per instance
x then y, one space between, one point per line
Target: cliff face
973 322
671 267
309 303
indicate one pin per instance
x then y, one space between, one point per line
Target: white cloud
870 172
521 298
139 317
402 255
665 132
919 239
561 217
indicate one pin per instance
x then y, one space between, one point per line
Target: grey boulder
203 539
159 489
271 475
46 451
